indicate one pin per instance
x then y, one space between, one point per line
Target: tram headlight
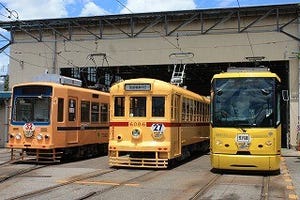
18 136
136 133
39 137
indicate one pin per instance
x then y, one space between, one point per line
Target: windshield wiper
219 92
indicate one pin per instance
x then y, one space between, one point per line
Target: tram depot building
100 50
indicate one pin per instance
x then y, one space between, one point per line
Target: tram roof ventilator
55 78
248 69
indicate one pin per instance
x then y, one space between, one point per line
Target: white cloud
226 3
91 9
37 9
138 6
4 59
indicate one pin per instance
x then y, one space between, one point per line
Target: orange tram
52 121
153 123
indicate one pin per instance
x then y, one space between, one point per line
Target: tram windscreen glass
137 107
239 102
158 106
33 90
31 109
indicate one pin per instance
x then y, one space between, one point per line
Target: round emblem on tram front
28 129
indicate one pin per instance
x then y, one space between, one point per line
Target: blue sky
41 9
45 9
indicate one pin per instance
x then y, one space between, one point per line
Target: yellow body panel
261 153
246 162
147 151
264 149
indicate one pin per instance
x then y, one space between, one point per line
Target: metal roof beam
56 31
131 27
290 35
153 23
288 23
4 37
87 30
286 33
116 27
184 23
257 20
39 39
4 47
220 21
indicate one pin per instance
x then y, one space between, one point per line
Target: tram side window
206 111
138 106
184 109
95 112
201 112
60 110
119 108
198 111
104 112
85 111
191 110
174 106
72 109
158 106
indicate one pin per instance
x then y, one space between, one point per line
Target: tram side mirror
285 95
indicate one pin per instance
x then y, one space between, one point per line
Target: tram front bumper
246 162
127 161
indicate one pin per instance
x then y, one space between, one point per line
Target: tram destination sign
138 87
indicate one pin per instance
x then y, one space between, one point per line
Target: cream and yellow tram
153 122
51 120
245 120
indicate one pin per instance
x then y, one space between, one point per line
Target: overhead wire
247 34
68 62
161 35
177 46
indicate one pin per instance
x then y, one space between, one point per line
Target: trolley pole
54 67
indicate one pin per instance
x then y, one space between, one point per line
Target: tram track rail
83 177
51 188
206 187
264 192
265 188
97 193
4 177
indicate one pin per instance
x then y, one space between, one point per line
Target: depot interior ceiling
197 76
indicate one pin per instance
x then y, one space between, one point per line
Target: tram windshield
244 102
31 109
138 106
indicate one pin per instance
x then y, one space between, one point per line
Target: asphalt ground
290 168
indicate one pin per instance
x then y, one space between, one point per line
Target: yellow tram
50 121
153 122
245 120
